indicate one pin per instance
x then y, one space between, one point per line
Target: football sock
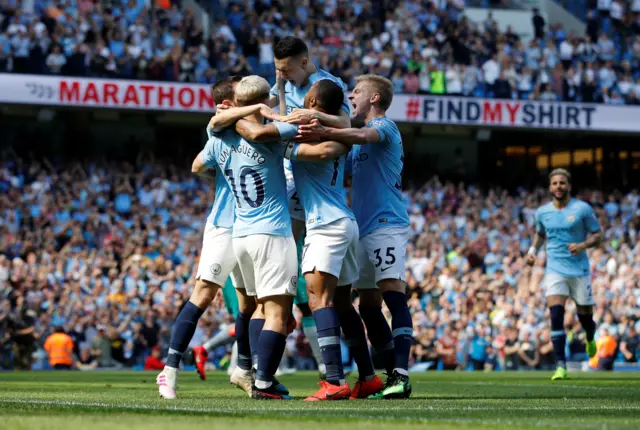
242 337
311 332
356 340
380 336
588 324
183 330
402 329
255 327
558 336
270 349
329 341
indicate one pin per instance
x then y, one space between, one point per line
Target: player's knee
305 309
203 293
396 285
246 304
370 298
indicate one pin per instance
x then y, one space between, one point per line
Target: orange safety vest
163 4
59 346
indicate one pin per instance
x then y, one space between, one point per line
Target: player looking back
262 238
296 74
570 227
376 160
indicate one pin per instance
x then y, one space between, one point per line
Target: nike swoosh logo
330 396
386 268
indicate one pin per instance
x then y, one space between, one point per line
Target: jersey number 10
257 182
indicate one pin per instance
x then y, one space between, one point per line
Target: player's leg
322 261
183 330
242 376
276 267
386 249
302 301
582 294
557 292
370 307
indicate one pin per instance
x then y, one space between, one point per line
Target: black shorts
62 366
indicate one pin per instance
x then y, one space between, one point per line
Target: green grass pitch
129 400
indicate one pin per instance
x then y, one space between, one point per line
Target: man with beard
570 227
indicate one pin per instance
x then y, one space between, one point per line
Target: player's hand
312 132
576 248
531 259
267 112
299 116
280 81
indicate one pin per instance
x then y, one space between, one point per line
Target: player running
295 76
329 257
217 261
570 227
262 238
377 159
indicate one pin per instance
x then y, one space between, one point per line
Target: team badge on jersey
216 269
571 218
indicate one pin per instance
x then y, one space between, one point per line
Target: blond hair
561 172
380 85
251 90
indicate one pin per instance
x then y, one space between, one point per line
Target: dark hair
329 96
223 89
58 329
290 47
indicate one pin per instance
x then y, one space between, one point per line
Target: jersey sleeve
210 132
539 225
590 221
208 155
384 130
287 131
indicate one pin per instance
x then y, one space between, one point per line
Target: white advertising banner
104 93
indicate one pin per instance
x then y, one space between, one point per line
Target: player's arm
315 130
595 236
537 241
329 150
203 160
342 120
625 350
255 132
227 117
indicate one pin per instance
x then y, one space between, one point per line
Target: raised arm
349 136
227 117
256 132
329 150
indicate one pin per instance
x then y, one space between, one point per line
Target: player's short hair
329 96
290 47
381 85
251 90
223 89
561 172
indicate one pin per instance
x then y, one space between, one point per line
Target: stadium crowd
424 46
108 252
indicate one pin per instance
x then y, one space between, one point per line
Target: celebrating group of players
281 182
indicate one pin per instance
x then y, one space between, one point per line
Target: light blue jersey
256 178
320 185
562 227
377 179
223 210
295 96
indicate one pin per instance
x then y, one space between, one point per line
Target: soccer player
377 159
329 258
262 237
570 227
217 262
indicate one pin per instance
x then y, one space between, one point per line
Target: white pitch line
589 387
261 410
